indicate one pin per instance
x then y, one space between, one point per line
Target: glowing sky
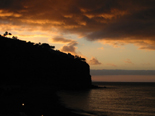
110 34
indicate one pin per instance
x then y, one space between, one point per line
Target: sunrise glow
110 35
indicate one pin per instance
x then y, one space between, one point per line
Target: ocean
114 99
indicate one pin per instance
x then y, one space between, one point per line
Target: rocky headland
26 63
31 74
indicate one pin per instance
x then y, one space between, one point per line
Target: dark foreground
32 102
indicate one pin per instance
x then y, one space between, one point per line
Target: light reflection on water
75 99
122 100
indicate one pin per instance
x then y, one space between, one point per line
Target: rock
28 64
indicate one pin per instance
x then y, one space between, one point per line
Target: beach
32 102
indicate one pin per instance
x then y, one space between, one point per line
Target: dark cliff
28 64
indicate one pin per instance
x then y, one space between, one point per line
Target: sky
110 34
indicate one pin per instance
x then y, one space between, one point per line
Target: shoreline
37 102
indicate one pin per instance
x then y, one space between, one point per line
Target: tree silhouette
14 37
6 33
47 46
80 58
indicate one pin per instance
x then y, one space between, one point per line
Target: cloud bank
115 22
122 72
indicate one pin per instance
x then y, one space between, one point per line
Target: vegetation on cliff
26 63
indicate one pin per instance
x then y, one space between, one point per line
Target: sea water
117 99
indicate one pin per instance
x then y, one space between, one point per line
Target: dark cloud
105 20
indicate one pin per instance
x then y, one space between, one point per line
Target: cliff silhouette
30 64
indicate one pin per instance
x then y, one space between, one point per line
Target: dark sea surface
117 99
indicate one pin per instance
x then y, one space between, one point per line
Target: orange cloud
142 44
94 61
61 40
70 44
71 47
119 21
128 61
6 14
